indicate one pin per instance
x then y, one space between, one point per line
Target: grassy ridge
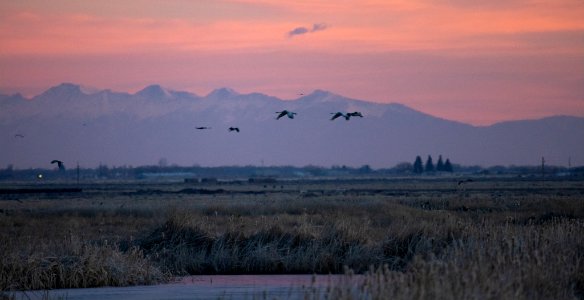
468 244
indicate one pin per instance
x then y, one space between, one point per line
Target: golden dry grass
413 239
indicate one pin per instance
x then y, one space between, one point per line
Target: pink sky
473 61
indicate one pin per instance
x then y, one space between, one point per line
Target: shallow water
202 287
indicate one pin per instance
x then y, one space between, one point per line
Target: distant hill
71 123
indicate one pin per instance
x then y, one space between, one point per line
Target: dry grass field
416 238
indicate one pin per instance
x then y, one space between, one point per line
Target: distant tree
7 173
365 169
429 165
418 166
103 171
447 166
440 164
403 167
314 170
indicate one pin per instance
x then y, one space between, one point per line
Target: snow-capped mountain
75 124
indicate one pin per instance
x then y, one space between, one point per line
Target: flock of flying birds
291 115
281 114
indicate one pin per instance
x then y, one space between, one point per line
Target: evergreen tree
429 164
365 169
418 166
440 164
447 166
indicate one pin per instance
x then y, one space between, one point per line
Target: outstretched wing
336 115
59 164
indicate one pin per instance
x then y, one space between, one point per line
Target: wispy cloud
319 27
298 31
303 30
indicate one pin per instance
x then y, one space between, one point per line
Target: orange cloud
356 27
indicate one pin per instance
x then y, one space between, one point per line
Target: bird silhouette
287 113
59 163
18 135
355 114
340 114
202 127
233 129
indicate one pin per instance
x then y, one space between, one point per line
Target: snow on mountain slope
92 127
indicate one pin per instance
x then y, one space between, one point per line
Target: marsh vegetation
426 239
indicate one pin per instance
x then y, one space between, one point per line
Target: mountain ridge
119 128
158 91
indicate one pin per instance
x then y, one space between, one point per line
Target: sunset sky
477 62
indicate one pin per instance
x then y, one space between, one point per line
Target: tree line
441 166
167 171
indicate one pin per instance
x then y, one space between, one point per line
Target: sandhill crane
355 114
59 163
340 114
287 113
236 129
202 127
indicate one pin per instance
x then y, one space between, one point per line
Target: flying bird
340 114
59 163
233 129
287 113
202 127
355 114
18 135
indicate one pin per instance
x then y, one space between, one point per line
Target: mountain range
74 124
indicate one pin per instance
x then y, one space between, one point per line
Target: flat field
420 237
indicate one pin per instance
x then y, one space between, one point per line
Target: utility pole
77 174
542 168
